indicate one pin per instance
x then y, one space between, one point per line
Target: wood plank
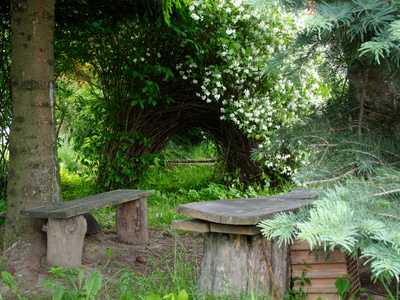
336 268
321 275
83 205
323 296
191 225
334 257
247 211
235 229
317 283
205 226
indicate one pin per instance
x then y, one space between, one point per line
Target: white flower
237 3
191 7
195 16
230 31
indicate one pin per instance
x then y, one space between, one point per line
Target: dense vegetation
353 140
318 107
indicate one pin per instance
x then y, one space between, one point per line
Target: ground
158 255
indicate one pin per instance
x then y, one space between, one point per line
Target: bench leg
235 263
131 222
65 241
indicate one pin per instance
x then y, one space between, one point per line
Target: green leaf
152 297
183 295
58 292
342 285
8 279
93 284
80 277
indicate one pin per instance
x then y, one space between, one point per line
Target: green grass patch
74 186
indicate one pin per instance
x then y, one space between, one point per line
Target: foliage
180 177
74 186
87 289
360 208
299 293
353 142
368 30
206 72
9 281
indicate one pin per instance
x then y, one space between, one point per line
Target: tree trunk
375 96
34 172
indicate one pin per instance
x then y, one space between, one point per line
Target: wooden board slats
83 205
334 257
205 226
247 211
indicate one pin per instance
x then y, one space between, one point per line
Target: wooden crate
326 268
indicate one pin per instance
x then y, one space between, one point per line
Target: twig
332 179
390 216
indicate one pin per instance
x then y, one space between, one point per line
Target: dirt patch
164 246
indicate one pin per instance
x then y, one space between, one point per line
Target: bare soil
158 255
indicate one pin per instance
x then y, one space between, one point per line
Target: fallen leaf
141 260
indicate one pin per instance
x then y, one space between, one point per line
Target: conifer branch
332 179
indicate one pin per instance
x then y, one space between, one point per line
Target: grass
182 184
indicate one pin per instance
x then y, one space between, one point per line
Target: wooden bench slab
237 258
67 225
247 211
84 205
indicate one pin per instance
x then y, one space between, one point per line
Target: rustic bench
66 227
236 257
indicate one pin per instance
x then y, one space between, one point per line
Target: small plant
9 280
80 290
343 287
299 293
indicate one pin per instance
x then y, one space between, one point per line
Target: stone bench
236 257
66 227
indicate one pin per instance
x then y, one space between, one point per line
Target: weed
9 280
299 293
81 290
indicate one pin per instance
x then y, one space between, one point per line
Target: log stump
65 241
131 222
244 263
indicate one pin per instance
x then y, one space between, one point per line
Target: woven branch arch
160 124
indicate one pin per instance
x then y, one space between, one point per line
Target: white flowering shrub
255 94
215 59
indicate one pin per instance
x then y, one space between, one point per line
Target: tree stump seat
67 225
236 257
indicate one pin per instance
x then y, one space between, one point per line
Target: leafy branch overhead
371 28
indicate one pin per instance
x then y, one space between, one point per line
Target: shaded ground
160 254
164 247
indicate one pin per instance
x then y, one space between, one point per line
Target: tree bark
235 263
34 171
